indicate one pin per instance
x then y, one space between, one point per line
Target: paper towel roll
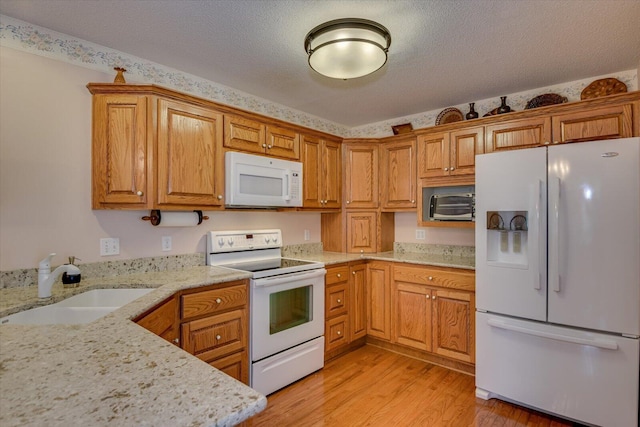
175 219
179 219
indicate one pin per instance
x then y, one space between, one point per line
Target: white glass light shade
347 48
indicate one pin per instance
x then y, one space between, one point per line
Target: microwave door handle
287 184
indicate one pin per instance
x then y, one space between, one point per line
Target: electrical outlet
306 235
109 246
166 243
420 234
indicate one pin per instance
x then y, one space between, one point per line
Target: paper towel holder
155 217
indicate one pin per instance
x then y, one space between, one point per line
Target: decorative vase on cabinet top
504 108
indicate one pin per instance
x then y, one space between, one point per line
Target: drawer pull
218 337
339 275
339 333
339 300
430 277
427 296
176 341
433 297
218 300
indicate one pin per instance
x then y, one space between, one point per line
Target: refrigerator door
586 376
594 235
511 233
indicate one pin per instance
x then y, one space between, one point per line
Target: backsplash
445 250
29 276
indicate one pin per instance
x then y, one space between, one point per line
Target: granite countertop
112 370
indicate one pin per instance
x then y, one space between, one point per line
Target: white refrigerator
558 279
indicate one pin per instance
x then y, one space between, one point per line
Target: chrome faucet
46 277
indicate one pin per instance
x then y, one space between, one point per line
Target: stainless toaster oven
452 207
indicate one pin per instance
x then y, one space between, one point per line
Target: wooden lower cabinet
379 299
345 307
215 327
163 320
434 310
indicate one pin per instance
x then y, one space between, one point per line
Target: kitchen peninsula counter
112 370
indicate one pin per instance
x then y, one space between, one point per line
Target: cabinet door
594 124
361 232
190 163
358 301
379 300
433 155
361 170
412 315
331 176
235 365
283 143
163 321
514 134
119 152
312 172
215 336
243 134
454 324
399 177
464 144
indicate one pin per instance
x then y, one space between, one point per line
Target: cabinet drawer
336 299
337 275
213 301
215 336
336 332
464 280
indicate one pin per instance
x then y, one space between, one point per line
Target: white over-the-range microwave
260 181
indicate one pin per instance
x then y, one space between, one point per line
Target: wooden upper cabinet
283 142
244 135
520 133
120 153
255 137
322 173
189 159
594 124
449 154
399 177
361 232
361 171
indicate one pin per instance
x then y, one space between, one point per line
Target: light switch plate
420 234
109 246
166 243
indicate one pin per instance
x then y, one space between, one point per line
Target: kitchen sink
82 308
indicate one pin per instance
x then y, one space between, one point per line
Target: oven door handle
286 278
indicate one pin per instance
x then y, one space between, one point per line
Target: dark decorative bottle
504 108
472 114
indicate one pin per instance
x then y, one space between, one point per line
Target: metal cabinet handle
339 301
339 275
433 297
452 168
430 277
218 300
218 337
269 146
348 202
427 296
219 196
353 272
446 169
176 341
339 333
264 145
139 193
413 201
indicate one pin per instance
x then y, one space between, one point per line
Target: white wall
45 176
406 226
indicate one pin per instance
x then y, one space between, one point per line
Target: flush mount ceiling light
347 48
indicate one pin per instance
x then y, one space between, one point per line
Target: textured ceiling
443 52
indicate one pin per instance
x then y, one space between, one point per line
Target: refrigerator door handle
537 283
596 342
554 233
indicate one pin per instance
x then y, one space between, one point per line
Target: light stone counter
112 370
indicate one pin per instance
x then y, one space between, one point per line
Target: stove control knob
221 242
267 239
230 241
275 239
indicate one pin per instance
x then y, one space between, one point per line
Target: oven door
286 310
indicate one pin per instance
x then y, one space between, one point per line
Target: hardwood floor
375 387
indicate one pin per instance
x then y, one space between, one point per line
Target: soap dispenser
71 280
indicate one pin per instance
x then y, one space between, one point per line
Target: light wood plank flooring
375 387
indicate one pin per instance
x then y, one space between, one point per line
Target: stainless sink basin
82 308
